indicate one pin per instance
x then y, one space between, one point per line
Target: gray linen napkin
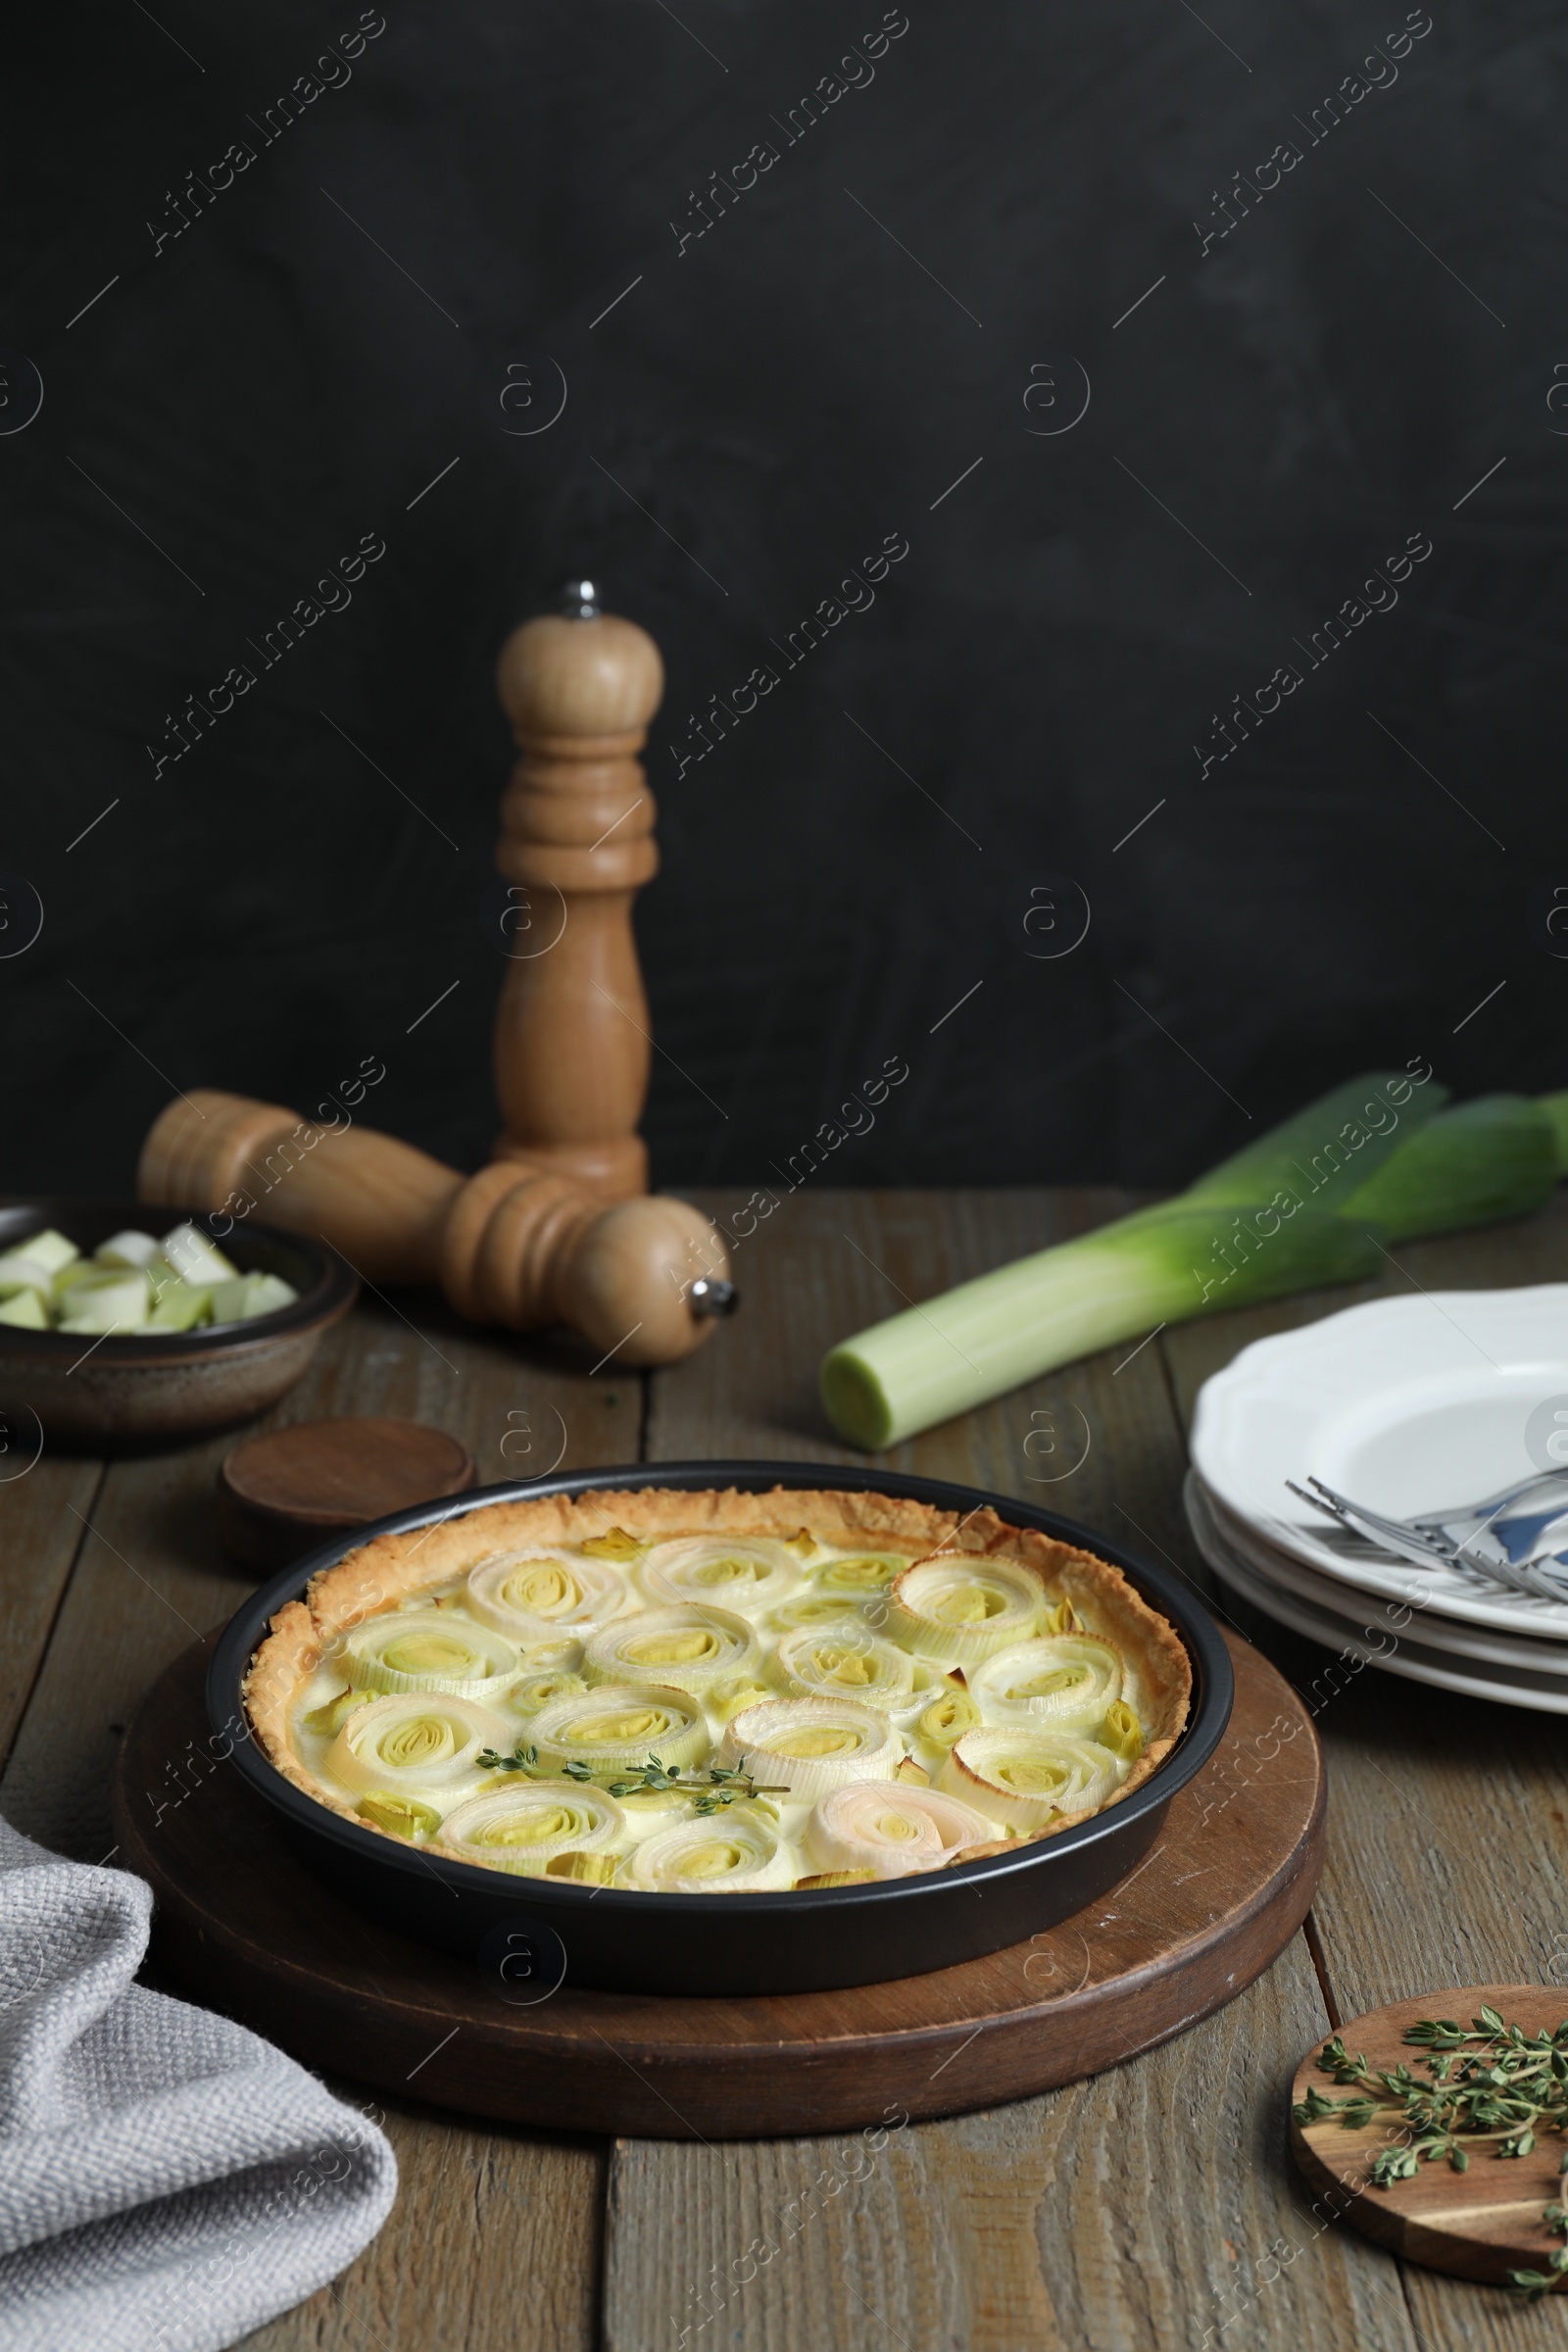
167 2178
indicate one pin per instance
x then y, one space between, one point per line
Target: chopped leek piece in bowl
124 1324
133 1281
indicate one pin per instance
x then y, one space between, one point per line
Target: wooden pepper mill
573 1041
517 1244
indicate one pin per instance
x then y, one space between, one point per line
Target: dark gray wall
921 286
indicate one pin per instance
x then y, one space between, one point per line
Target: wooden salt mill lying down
560 1228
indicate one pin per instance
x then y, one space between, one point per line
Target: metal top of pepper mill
580 600
708 1295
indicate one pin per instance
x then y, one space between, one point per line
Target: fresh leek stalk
1376 1160
1006 1328
265 1295
23 1309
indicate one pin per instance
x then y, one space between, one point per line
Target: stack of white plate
1411 1406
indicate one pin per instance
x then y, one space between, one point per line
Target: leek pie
717 1693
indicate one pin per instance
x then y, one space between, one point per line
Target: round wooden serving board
248 1929
1479 2223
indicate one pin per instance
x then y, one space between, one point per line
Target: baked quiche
717 1693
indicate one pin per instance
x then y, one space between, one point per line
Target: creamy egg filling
698 1715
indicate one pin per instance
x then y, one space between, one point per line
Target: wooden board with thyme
1439 2126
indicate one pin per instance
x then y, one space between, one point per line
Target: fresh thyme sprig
1531 2285
724 1785
524 1759
1493 2081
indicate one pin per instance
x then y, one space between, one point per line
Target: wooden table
1154 2206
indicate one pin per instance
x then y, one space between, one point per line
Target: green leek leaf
1493 1157
1555 1109
1329 1149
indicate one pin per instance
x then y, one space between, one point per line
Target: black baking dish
780 1941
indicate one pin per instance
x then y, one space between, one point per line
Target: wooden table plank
1132 2212
493 2244
41 1516
1118 2212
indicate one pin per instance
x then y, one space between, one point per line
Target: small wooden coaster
282 1493
249 1930
1479 2223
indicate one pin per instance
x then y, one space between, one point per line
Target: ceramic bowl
61 1391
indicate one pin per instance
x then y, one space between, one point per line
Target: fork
1428 1543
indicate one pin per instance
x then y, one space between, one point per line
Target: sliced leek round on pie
891 1832
961 1610
1027 1780
708 1694
723 1855
526 1824
1065 1682
690 1649
537 1596
801 1747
